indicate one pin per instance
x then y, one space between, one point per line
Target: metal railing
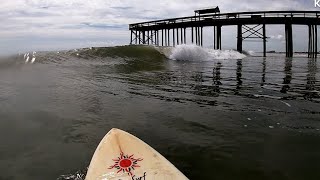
235 15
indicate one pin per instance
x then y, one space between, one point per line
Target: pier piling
192 33
217 38
264 40
239 39
289 41
313 44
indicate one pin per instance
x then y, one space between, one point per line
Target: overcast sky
28 25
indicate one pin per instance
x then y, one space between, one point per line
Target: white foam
33 59
196 53
30 57
286 103
27 59
300 54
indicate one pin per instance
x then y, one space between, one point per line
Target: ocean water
213 114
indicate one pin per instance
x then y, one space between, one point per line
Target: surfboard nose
121 155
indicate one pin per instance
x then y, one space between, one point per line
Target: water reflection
216 78
200 87
288 75
311 80
263 80
198 78
311 77
239 76
205 78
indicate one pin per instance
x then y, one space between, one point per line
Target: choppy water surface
251 118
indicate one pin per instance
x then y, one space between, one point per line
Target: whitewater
197 53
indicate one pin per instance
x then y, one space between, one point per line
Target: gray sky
28 25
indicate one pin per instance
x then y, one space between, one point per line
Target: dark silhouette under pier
250 25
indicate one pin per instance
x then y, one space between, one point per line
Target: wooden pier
250 25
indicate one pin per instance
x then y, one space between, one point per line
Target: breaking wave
180 52
139 56
197 53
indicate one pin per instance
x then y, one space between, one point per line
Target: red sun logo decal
125 163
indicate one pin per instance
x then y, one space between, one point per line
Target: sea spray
225 54
197 53
189 53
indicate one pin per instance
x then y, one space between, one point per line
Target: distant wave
197 53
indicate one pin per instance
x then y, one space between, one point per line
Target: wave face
135 54
133 57
144 52
180 52
196 53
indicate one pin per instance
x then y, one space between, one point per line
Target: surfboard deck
122 156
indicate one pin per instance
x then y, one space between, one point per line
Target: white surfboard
122 156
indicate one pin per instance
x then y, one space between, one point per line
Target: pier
250 25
